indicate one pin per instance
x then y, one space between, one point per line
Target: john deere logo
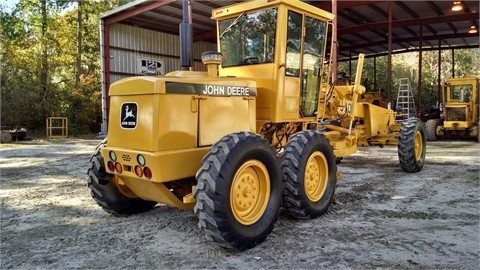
129 115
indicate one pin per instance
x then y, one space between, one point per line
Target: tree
50 63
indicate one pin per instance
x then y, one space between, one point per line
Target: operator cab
282 47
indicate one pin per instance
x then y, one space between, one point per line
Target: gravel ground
382 218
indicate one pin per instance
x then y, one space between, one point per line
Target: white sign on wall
150 66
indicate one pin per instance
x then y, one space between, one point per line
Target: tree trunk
78 70
44 63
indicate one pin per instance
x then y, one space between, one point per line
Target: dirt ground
382 218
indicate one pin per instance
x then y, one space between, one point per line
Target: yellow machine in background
262 126
460 110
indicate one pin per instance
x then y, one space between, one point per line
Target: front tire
430 127
104 189
238 194
309 175
412 145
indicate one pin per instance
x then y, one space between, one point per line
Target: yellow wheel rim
250 192
418 145
124 189
316 176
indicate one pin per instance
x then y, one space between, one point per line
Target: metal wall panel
127 43
116 77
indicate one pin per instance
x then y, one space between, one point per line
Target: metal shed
142 37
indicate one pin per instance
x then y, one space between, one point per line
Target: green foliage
84 108
38 64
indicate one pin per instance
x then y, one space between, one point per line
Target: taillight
147 172
138 171
118 167
111 166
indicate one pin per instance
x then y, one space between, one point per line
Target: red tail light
111 166
147 172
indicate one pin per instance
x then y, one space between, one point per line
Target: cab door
293 63
312 64
304 59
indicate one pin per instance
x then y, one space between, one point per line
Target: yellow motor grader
460 115
261 127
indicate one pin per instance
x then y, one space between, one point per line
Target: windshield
461 92
249 38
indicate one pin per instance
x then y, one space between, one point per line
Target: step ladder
405 101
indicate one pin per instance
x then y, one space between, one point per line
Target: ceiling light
457 6
472 30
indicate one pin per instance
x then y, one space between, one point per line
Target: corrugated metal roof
362 25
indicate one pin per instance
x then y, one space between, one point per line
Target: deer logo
128 113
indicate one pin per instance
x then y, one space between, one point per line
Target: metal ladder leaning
405 100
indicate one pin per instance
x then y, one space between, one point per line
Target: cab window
249 38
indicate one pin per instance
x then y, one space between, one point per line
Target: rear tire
412 145
309 175
430 127
239 189
105 192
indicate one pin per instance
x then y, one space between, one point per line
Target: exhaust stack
186 36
